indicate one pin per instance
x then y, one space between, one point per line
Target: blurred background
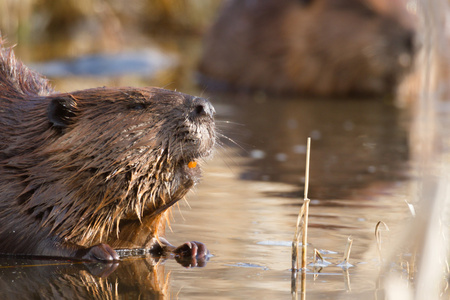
157 34
367 80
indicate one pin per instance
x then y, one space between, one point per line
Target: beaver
315 47
86 172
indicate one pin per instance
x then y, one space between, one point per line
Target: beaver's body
79 170
320 47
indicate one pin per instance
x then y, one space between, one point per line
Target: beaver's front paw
100 252
192 254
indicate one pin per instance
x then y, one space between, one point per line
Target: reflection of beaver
129 279
79 170
319 47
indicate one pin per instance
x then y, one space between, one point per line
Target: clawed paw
192 254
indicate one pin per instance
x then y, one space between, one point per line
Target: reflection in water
355 142
248 228
41 279
246 207
248 224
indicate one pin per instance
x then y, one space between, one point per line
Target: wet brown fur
312 47
95 166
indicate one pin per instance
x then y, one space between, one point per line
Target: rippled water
246 207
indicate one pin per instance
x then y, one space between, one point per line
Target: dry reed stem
305 232
295 241
302 227
308 153
348 249
317 255
378 236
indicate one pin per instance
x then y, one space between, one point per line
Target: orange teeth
192 164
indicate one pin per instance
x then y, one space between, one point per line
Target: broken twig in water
348 248
302 227
317 255
378 236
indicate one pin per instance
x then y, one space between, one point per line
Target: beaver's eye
137 106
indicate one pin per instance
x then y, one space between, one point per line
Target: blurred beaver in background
82 173
311 47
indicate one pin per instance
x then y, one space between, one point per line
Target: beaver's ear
61 111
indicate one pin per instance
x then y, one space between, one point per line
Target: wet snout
201 108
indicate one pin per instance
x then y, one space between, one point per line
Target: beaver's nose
202 108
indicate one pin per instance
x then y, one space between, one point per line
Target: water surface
246 207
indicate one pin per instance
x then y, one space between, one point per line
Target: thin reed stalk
302 220
348 249
378 237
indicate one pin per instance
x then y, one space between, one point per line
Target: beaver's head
117 153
